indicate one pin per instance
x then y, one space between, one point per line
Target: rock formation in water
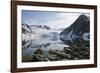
78 32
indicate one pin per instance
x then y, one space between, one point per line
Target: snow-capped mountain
78 32
26 29
26 32
44 27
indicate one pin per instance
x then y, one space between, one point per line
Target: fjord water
44 39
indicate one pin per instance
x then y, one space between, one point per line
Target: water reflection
51 41
26 44
44 41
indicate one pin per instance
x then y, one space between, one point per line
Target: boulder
38 57
59 53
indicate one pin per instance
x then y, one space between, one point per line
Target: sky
55 20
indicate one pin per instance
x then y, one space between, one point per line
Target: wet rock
84 52
78 51
86 57
67 50
38 57
73 52
52 57
59 53
38 51
64 59
76 58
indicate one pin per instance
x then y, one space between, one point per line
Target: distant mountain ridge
44 27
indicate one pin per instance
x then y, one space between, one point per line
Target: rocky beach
75 52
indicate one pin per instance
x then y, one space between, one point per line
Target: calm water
45 40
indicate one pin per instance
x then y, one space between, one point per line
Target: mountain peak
83 17
75 32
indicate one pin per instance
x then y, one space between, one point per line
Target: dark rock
59 53
38 57
67 50
52 57
38 51
74 52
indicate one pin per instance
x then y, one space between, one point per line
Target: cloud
55 20
63 20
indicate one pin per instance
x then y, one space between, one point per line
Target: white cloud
31 21
63 20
